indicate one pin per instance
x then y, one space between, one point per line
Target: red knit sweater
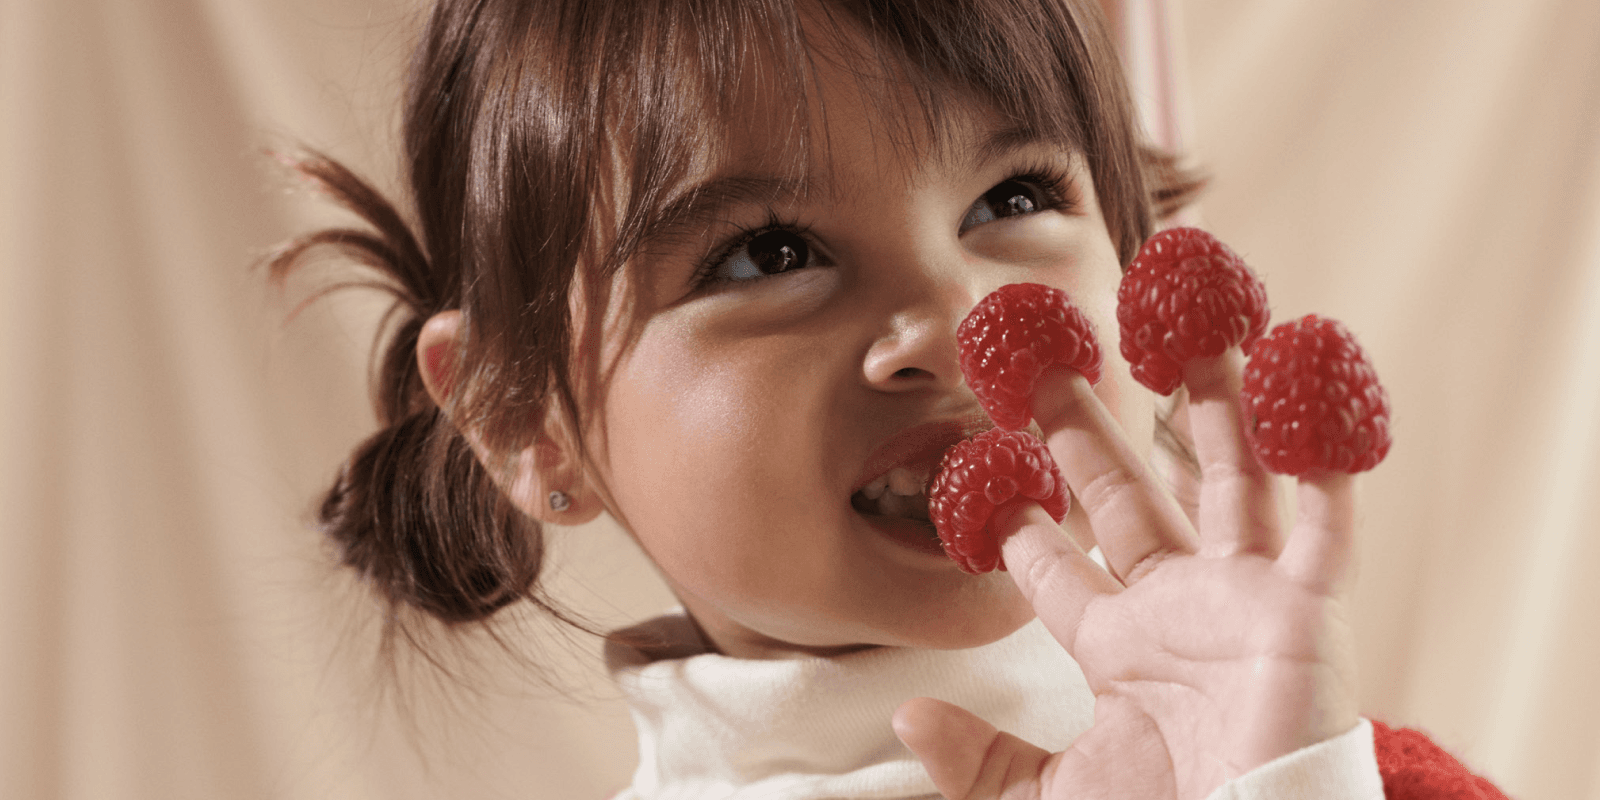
1414 768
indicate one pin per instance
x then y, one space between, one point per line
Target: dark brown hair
543 139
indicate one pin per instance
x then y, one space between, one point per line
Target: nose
916 348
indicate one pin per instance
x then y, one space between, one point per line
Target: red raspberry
992 470
1185 296
1009 340
1313 400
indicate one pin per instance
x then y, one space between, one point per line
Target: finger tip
1328 481
924 724
1057 391
1214 376
912 717
1025 530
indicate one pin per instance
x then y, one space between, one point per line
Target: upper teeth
900 481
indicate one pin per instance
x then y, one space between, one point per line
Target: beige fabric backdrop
1428 171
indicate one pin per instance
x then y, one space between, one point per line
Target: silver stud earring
559 501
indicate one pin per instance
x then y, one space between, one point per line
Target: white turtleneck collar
711 726
718 728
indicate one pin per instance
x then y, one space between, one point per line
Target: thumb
969 759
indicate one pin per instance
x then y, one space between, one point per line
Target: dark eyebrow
1001 142
695 210
698 208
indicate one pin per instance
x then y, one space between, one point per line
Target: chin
963 625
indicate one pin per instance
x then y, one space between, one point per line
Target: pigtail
415 514
412 512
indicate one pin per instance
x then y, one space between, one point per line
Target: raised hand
1212 647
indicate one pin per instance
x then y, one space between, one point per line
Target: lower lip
906 533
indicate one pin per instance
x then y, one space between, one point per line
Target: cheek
693 436
1130 403
1091 281
676 427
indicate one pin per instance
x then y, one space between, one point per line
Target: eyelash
704 274
1054 184
1059 192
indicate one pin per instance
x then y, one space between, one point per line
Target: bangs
584 126
680 70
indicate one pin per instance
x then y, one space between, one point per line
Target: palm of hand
1218 661
1220 648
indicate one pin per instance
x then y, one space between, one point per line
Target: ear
530 477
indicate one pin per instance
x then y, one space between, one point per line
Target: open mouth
892 492
898 494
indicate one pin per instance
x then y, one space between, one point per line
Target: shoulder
1413 767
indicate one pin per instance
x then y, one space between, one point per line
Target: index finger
1056 576
1132 515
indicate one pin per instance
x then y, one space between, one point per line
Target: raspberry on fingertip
979 476
1186 295
1014 335
1313 401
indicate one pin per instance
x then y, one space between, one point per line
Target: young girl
699 266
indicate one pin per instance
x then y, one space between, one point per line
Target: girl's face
799 346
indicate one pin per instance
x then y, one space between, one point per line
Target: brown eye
1009 198
1012 198
770 252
